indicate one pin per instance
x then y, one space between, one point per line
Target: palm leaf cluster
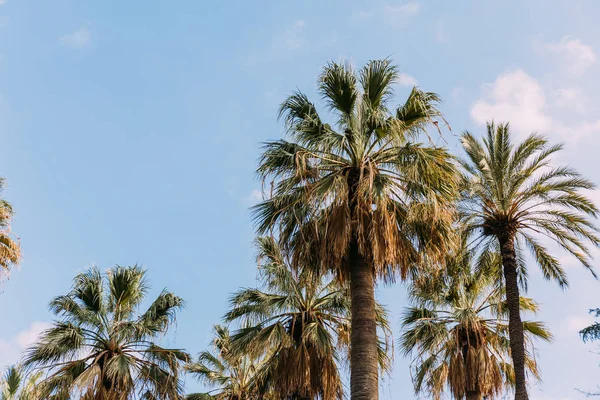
101 348
10 249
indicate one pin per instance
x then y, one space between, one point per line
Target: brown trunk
515 325
363 335
473 395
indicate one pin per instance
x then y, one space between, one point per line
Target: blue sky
130 133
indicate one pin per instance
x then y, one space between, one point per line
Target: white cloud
2 2
293 37
570 98
407 80
574 54
11 349
78 39
440 33
396 15
515 97
254 197
520 99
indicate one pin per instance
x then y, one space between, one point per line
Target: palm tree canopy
299 326
362 178
514 190
234 376
10 249
101 346
457 332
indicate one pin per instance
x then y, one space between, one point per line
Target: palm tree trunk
363 335
475 395
515 325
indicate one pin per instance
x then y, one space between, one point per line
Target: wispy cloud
2 2
255 196
294 36
407 80
77 39
10 349
576 56
440 33
395 15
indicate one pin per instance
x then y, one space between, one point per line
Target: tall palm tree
234 375
512 197
101 348
10 249
457 330
360 196
298 326
16 385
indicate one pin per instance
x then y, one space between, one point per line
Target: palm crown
100 349
362 178
457 332
513 190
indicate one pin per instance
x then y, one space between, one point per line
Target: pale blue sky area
130 131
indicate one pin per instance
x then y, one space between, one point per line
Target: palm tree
513 196
15 385
359 198
233 375
100 348
457 331
10 250
298 327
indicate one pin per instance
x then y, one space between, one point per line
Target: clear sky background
130 132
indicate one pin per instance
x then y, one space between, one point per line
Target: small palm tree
101 349
233 375
457 331
297 327
10 249
15 385
513 196
360 197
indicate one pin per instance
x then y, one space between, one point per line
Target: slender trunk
475 395
515 325
363 335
